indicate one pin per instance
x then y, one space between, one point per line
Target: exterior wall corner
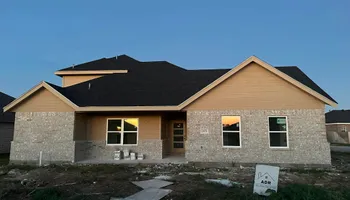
48 132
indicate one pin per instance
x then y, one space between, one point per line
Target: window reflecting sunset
134 122
230 123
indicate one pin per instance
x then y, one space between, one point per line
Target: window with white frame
344 129
231 131
122 131
278 131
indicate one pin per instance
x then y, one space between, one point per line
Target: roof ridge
123 56
88 62
163 61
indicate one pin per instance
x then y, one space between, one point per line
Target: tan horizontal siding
255 88
42 101
80 126
72 80
149 127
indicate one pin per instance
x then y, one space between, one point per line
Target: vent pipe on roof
73 66
89 86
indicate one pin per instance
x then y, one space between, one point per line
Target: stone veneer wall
49 132
85 150
306 131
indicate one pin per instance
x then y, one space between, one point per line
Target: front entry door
178 136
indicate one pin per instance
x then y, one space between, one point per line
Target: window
278 131
344 129
178 135
122 131
231 129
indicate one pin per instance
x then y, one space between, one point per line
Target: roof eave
127 108
89 72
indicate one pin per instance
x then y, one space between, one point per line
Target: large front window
231 129
278 131
122 131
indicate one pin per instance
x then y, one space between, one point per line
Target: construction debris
152 190
153 183
149 194
224 182
163 177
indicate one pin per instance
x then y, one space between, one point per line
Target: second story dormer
122 64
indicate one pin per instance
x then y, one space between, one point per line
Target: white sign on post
266 178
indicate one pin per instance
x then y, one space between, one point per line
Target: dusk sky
40 37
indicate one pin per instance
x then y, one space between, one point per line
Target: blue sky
39 37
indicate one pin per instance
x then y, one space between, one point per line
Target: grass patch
309 192
47 194
20 167
10 189
4 159
340 144
213 191
291 192
307 170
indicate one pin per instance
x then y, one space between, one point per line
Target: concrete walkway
170 159
340 149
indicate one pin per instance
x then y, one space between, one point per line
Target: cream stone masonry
91 150
306 131
49 132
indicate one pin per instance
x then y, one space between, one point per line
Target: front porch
166 160
159 136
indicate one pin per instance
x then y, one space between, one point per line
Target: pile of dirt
105 181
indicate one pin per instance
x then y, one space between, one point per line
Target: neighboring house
252 113
6 124
338 126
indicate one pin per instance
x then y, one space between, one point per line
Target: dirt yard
106 181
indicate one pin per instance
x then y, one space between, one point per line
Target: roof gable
266 66
255 88
53 93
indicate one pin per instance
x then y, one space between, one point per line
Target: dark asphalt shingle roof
338 116
122 62
158 83
300 76
142 89
4 101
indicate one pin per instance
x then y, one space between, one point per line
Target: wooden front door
178 136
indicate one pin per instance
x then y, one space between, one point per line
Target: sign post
266 178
